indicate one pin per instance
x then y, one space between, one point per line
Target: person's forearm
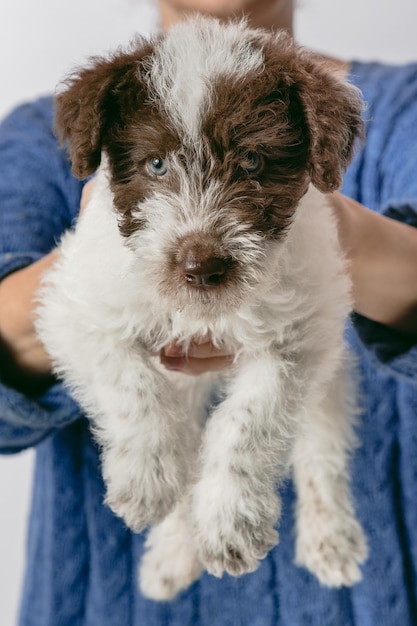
17 307
382 257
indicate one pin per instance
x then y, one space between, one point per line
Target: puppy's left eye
251 163
157 166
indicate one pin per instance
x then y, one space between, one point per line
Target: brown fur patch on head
332 109
106 106
93 102
296 117
262 119
144 134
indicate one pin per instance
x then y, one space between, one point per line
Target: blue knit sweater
82 561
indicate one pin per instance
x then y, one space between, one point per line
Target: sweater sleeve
383 178
39 198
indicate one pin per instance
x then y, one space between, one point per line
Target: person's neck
271 15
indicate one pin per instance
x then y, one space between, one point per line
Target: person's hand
202 357
24 359
382 257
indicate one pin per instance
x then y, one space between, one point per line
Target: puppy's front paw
142 488
238 552
234 534
332 546
170 563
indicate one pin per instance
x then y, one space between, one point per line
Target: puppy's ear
333 111
93 100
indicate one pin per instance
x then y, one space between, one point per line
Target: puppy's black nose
204 272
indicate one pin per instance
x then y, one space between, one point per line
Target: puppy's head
212 134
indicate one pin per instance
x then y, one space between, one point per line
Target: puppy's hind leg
330 540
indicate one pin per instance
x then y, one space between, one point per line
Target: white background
40 40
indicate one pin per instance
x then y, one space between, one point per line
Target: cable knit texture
82 561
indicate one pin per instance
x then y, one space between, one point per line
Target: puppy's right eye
251 163
157 166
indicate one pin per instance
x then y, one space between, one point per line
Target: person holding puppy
82 560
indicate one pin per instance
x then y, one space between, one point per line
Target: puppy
215 147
